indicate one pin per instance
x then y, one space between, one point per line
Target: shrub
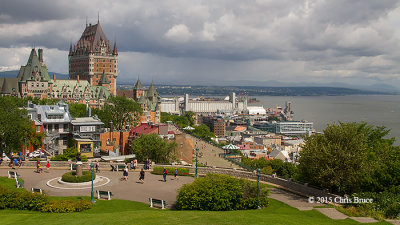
66 206
171 171
69 153
72 178
220 193
23 200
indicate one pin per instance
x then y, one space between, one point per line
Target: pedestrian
40 170
37 165
146 163
141 178
15 162
48 166
175 173
97 166
20 161
135 163
165 172
149 165
125 174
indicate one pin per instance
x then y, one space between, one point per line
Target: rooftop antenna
86 21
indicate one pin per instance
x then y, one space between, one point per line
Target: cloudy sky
218 41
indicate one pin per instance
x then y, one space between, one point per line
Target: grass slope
128 212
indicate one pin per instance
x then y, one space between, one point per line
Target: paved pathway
296 201
210 155
332 213
130 190
364 219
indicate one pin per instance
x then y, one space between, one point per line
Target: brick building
93 59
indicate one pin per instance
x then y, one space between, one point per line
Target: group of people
125 174
39 168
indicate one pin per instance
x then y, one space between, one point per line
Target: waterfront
379 110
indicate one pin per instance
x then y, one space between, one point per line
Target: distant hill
14 73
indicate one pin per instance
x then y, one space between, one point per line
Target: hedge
217 192
21 199
66 206
171 171
72 178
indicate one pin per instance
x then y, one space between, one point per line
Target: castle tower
94 59
138 90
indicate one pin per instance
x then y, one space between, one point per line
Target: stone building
150 101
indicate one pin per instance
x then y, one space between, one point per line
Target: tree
77 110
153 147
348 158
203 131
190 116
121 111
15 126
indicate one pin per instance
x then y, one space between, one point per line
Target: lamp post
258 188
92 193
197 151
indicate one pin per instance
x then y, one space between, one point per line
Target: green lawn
128 212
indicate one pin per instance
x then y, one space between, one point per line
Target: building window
108 141
114 140
37 129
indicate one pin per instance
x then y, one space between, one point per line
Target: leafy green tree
155 148
350 157
190 116
15 126
120 110
77 110
203 131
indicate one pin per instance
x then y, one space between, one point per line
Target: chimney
54 77
77 78
40 52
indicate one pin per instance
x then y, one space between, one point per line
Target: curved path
132 189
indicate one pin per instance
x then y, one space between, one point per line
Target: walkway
132 190
209 155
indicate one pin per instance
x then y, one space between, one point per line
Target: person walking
141 177
135 164
40 170
126 173
176 173
165 174
48 166
37 166
97 166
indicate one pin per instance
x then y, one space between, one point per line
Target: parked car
36 154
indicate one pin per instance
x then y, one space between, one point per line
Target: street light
92 193
258 188
197 150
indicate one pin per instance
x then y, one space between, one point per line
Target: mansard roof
91 41
9 86
32 67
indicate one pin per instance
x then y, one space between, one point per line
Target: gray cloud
310 40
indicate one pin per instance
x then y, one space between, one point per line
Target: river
378 110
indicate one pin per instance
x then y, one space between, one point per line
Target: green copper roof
32 67
152 91
138 86
73 86
104 79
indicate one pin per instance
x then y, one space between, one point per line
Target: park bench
117 167
18 183
158 202
73 166
37 190
12 174
106 194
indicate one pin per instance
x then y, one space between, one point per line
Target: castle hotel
93 72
